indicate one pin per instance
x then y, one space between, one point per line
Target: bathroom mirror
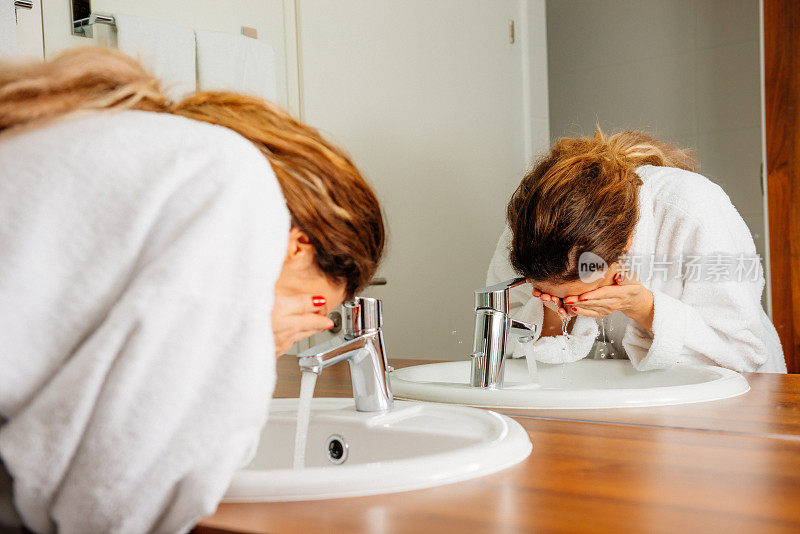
444 105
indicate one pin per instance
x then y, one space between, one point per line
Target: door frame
781 36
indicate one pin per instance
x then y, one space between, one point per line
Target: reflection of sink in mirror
582 384
350 453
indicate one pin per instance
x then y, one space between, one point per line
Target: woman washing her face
155 256
621 226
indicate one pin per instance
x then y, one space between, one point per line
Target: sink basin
415 445
582 384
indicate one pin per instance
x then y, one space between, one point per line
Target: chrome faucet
362 346
493 327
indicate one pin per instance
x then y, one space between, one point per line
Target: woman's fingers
598 303
311 322
602 306
284 339
605 292
296 317
294 325
303 303
588 313
556 304
563 309
597 294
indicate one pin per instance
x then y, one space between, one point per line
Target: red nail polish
318 301
574 308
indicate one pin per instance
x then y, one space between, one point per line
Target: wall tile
732 159
728 87
590 33
655 96
721 22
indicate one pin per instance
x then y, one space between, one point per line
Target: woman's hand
296 317
626 295
554 303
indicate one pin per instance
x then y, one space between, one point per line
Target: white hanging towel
165 49
235 63
8 29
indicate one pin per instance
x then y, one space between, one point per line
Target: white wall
534 69
686 70
29 31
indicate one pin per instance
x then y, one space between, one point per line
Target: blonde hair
582 196
328 198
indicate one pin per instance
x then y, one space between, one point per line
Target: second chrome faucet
493 327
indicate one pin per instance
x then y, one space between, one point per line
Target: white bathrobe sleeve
143 427
716 319
524 306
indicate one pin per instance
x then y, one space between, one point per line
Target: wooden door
782 128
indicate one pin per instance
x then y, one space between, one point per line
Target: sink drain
336 449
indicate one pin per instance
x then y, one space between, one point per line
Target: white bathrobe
707 316
138 257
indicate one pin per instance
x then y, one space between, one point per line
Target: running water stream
565 345
307 383
564 333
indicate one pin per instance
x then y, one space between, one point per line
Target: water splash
564 336
603 348
307 384
455 332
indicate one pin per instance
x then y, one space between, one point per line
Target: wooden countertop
731 465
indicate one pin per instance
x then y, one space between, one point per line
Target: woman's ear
300 252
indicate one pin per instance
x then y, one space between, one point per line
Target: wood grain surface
634 474
782 130
772 406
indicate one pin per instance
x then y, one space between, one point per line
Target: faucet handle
495 297
362 315
521 328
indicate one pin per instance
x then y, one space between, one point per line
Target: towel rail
24 4
83 27
83 18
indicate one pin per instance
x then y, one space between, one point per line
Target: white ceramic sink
415 445
582 384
